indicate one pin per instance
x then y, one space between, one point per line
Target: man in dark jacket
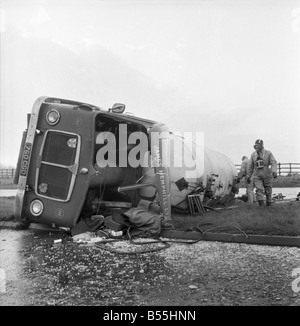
243 173
259 167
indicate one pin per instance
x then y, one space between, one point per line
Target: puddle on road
15 289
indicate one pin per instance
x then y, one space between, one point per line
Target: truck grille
57 170
56 149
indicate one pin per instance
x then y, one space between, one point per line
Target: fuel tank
194 167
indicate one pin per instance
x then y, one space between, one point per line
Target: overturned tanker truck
76 157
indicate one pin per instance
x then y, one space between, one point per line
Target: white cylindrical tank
191 166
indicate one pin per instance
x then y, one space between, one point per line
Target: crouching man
259 169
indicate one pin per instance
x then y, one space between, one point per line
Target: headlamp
52 117
36 207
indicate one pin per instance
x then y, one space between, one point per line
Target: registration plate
25 159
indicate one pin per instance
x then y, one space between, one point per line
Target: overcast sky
230 69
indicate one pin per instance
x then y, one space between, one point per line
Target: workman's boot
261 203
269 203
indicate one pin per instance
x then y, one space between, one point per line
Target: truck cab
75 155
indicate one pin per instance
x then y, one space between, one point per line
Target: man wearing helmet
243 173
259 167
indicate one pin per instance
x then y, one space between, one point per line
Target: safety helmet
259 142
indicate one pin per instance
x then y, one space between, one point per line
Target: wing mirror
117 108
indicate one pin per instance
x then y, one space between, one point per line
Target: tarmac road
39 272
15 288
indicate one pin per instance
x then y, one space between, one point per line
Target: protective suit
259 168
243 173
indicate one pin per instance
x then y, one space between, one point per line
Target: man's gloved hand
274 175
238 180
248 180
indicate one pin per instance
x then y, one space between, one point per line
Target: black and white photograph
149 156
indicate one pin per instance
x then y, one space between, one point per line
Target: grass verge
7 184
7 208
279 219
281 181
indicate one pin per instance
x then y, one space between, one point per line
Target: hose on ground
162 241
